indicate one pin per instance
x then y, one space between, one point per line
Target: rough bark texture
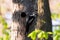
43 20
44 17
21 21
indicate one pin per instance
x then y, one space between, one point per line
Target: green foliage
5 31
54 16
34 34
1 38
41 34
56 35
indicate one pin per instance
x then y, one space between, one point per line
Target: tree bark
44 17
21 21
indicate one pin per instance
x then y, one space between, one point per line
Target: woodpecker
30 20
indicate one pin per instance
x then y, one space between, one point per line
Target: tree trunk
19 20
44 17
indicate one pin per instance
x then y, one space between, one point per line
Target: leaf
56 32
53 16
55 37
45 35
5 25
32 35
40 35
49 32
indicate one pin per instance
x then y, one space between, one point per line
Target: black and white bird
30 20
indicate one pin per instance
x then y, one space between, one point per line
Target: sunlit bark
44 17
